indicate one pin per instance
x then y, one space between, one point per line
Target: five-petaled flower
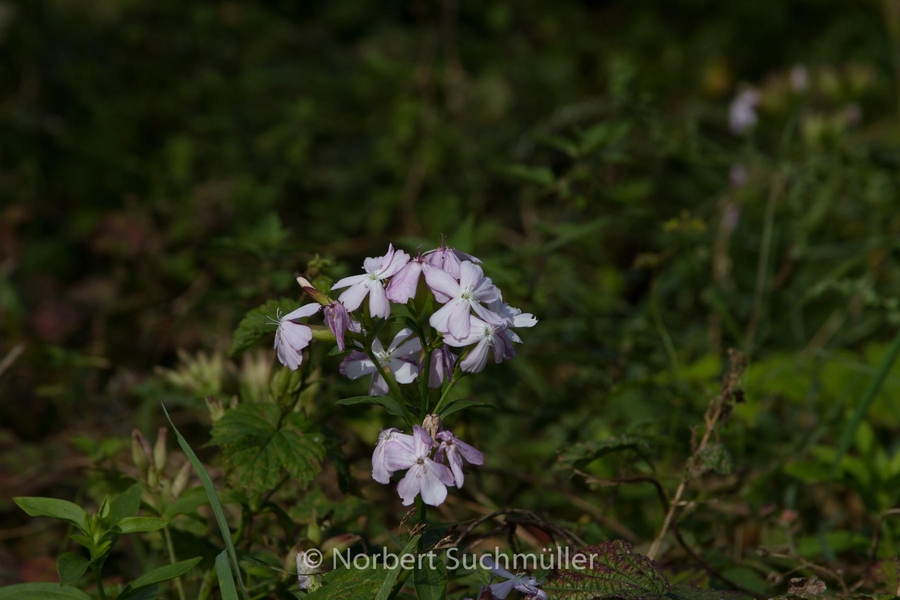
467 294
377 269
400 358
485 336
425 477
292 337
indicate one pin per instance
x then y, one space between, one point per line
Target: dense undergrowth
697 200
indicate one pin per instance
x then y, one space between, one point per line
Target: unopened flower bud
140 452
316 295
432 425
181 479
159 450
313 530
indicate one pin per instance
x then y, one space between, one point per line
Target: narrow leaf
71 566
391 578
52 507
430 583
213 500
42 591
136 524
461 405
158 576
392 406
226 577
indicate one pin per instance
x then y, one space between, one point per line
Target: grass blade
214 503
226 577
859 414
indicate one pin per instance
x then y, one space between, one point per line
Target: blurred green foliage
167 166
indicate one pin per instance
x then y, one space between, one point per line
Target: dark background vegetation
166 166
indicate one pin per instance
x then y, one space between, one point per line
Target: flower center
420 461
383 356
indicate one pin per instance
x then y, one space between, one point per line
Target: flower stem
99 578
456 377
173 560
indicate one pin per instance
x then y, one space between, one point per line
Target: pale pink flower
386 439
448 259
526 585
464 295
425 477
400 358
456 450
292 336
371 283
485 336
441 367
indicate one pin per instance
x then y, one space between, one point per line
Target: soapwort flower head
464 295
448 259
486 336
292 336
371 284
400 358
425 476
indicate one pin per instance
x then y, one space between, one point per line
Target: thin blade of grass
859 414
226 577
213 502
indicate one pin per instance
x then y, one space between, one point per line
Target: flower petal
475 361
394 264
433 490
409 486
356 365
348 281
378 302
353 296
307 310
404 371
402 287
440 317
442 282
458 323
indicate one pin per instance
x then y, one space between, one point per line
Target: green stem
207 585
99 579
173 560
457 375
393 387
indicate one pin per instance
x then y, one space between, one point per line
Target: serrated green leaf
258 324
140 524
159 575
42 591
611 570
430 583
258 445
52 507
125 504
348 584
582 453
71 566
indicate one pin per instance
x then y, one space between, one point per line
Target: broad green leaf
430 583
158 576
71 566
461 405
125 504
42 591
348 584
391 577
611 570
582 453
52 507
213 500
137 524
258 324
259 445
187 503
226 577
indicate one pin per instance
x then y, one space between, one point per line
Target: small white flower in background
292 337
371 284
799 79
526 585
401 358
307 572
742 112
